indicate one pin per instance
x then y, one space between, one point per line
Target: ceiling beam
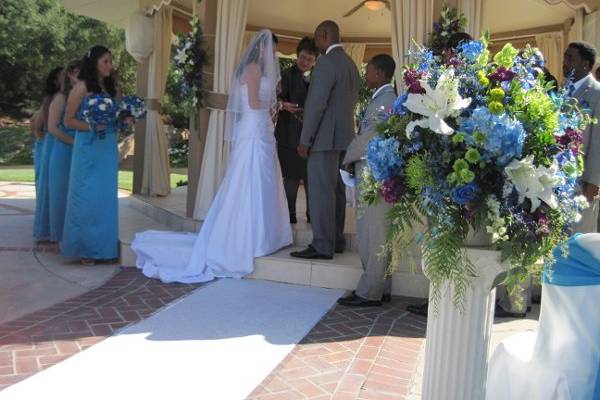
299 35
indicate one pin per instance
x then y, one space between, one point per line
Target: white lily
436 104
181 56
534 183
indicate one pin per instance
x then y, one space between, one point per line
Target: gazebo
376 27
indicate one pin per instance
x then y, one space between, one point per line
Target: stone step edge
343 272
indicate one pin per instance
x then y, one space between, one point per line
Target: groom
327 131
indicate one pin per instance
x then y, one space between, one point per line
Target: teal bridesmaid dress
58 174
91 227
41 222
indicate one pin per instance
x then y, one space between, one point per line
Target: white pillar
457 343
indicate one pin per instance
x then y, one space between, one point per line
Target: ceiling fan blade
355 9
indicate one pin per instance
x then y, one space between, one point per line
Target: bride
248 217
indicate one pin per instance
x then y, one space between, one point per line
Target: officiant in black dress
294 89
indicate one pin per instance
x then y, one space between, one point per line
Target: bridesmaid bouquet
100 109
130 106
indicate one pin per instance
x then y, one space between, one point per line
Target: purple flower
412 79
392 189
465 194
502 74
572 140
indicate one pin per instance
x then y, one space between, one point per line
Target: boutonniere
306 76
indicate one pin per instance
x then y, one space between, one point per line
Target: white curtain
411 20
551 45
248 36
473 11
591 29
231 20
356 51
156 174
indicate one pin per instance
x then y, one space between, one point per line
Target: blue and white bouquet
130 106
100 109
478 144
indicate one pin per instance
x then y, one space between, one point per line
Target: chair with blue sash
562 360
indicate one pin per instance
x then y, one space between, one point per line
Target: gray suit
328 128
371 222
589 95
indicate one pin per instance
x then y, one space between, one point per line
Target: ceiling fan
373 5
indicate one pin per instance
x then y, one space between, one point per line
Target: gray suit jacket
329 107
358 147
589 94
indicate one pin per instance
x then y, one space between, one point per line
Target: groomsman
327 130
578 61
371 222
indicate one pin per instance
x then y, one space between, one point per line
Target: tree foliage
37 35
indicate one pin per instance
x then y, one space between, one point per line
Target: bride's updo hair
255 53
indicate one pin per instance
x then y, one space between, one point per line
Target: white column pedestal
457 344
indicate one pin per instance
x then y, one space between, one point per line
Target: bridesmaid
60 156
43 147
91 220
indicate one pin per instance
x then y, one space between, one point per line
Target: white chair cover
561 361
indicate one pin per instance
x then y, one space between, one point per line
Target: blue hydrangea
471 50
398 106
504 135
384 158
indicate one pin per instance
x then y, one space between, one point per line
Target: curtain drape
156 174
411 20
473 11
356 51
231 20
551 46
591 28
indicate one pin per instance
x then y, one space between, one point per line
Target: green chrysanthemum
472 156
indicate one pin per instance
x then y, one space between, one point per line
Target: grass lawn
25 174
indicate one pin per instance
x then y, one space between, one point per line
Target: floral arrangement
477 145
100 109
190 59
450 22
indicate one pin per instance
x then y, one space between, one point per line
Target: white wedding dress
248 218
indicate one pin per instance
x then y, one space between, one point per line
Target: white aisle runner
218 343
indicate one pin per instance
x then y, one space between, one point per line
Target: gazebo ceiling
301 17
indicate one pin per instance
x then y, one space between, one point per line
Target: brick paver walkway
365 353
44 338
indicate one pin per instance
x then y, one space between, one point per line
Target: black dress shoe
500 312
386 298
355 301
419 309
311 254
